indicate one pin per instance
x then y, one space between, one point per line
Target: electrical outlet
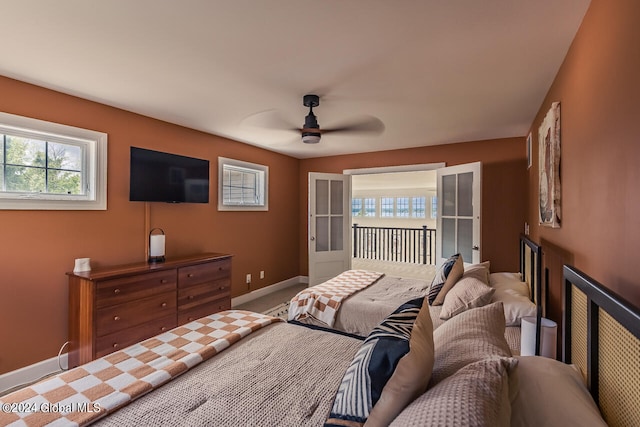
248 278
262 274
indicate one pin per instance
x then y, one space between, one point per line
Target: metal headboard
601 333
531 270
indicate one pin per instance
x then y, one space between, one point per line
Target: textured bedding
256 372
364 310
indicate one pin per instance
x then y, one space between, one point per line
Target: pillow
470 336
479 271
550 393
515 300
391 368
446 276
468 293
476 395
504 276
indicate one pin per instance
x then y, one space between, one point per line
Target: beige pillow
470 336
476 395
479 271
450 279
411 376
468 293
550 393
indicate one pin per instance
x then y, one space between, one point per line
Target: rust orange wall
503 188
598 87
38 247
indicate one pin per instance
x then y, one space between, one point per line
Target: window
402 207
242 185
50 166
418 205
370 207
386 207
356 207
434 207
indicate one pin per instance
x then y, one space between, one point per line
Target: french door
329 226
459 206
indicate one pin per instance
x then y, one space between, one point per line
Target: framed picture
529 151
549 168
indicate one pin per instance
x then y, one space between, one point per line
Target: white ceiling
433 71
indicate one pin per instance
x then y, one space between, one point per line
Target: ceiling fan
311 132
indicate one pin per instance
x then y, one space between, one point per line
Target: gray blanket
260 371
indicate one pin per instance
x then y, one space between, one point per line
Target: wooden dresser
112 308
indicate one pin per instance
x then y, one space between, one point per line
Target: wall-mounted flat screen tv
165 177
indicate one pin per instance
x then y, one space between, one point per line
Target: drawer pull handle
116 291
163 328
164 304
163 281
116 318
190 275
115 345
190 319
219 268
191 297
222 288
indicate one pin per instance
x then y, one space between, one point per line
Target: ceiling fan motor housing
311 129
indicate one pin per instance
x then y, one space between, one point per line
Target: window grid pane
356 207
386 207
418 207
370 207
240 186
40 166
402 207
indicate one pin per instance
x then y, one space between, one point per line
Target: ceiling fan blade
269 119
367 124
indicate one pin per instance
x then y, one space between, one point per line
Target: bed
359 312
282 374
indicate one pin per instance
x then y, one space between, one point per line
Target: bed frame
531 270
601 334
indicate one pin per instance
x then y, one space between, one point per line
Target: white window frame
94 165
263 185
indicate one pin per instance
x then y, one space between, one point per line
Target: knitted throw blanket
323 301
84 394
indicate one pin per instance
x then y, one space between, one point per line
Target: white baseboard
242 299
31 373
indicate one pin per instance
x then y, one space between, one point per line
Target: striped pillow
446 276
392 367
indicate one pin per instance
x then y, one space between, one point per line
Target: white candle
156 246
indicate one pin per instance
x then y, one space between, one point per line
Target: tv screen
164 177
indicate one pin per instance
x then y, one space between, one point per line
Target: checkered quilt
323 301
89 392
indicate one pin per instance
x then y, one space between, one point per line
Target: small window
50 166
370 207
402 207
434 207
356 207
418 205
242 185
386 207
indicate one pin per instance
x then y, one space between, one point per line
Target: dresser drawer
122 316
121 339
116 291
202 310
201 273
203 293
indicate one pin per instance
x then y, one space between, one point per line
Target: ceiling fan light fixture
310 137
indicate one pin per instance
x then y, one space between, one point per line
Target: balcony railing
411 245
